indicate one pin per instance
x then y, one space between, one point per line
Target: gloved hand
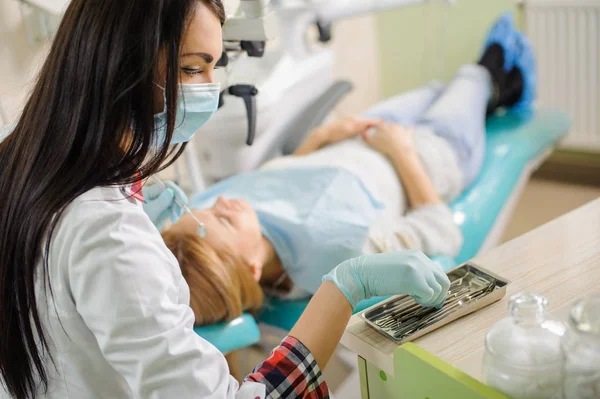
160 203
392 273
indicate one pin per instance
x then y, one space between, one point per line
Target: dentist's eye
192 71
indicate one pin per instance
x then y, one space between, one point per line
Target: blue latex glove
160 204
392 273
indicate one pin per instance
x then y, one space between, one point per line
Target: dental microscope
278 84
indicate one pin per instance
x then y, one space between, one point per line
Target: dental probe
202 231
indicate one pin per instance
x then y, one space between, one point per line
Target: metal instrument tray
401 319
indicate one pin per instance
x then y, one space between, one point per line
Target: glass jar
581 348
523 357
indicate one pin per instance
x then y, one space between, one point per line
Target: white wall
357 58
19 62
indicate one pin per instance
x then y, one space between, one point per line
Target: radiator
566 37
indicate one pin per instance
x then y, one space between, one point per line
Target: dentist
92 303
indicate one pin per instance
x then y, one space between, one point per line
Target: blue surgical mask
195 105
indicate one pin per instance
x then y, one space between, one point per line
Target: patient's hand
346 128
343 129
391 139
398 144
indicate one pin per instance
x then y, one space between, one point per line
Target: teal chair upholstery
228 337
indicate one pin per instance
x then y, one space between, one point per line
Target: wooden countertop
560 259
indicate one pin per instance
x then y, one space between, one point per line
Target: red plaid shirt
291 372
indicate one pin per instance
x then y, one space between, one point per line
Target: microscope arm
331 11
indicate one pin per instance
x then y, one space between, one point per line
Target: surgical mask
195 105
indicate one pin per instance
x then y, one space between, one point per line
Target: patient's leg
407 108
458 115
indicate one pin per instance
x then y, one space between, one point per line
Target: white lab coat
126 327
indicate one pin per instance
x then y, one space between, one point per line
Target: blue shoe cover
525 63
503 33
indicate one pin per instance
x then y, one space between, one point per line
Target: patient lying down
284 226
376 183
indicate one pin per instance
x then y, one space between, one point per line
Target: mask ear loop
164 111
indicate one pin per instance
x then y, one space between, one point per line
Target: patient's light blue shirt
315 217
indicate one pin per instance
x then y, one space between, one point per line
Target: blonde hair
221 285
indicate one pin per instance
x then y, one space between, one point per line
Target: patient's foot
504 35
513 90
523 74
493 61
499 57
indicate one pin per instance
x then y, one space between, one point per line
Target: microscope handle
248 94
251 109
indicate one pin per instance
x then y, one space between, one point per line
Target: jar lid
527 306
585 315
529 338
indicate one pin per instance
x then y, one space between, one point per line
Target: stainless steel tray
402 320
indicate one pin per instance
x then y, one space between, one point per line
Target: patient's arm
416 182
315 140
430 229
397 143
429 226
340 130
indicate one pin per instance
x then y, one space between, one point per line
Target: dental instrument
402 319
202 231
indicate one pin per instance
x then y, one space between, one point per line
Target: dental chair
517 144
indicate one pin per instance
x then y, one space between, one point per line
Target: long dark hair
89 122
